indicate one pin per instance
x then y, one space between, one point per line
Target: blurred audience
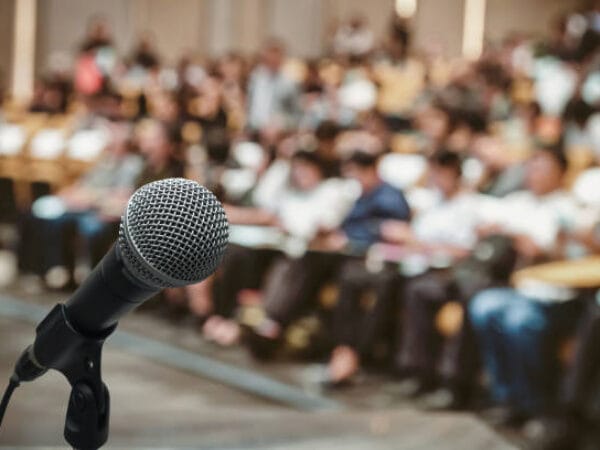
414 206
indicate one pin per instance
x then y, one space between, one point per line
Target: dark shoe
261 347
412 387
504 416
442 399
330 385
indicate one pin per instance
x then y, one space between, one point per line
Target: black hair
362 159
494 74
172 133
447 159
309 157
327 130
578 111
556 151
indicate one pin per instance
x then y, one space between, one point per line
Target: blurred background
414 197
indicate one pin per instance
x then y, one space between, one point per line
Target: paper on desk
86 145
12 139
255 236
47 144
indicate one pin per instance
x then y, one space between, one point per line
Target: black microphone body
173 233
108 293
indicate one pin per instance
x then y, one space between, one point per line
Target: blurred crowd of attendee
391 209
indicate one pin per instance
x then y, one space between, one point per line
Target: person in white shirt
273 98
517 328
445 231
295 200
295 282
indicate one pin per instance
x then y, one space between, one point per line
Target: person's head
326 134
272 54
157 143
546 169
445 171
107 103
433 121
312 83
375 123
306 171
231 67
164 108
146 41
357 22
529 113
99 29
577 112
119 138
362 167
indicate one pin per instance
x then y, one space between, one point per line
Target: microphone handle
109 292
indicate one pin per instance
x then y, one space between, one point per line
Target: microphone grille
173 233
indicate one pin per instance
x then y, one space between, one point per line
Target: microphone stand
78 357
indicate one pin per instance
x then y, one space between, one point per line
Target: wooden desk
575 274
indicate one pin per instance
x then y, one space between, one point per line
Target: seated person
446 228
159 145
295 282
302 203
574 421
578 418
92 206
517 328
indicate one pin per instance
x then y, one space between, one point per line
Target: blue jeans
518 338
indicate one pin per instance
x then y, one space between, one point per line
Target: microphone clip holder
78 357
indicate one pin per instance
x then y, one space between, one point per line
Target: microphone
173 233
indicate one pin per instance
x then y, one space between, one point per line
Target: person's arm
397 232
525 245
401 233
455 251
240 215
588 237
114 203
78 197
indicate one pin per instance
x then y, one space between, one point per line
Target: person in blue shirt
379 201
294 284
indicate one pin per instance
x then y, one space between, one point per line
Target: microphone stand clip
78 357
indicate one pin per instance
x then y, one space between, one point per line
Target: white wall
531 16
178 25
439 24
377 12
298 23
62 24
213 26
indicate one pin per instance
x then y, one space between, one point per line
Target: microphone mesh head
173 233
